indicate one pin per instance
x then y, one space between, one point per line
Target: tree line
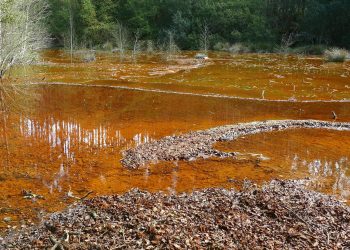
199 24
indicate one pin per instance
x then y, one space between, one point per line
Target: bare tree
136 47
22 35
287 41
71 29
150 46
121 38
172 48
205 36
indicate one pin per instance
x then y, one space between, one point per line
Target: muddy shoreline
281 214
199 144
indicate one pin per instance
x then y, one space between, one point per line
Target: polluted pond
188 135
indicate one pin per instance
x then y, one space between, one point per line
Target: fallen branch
59 244
28 194
71 195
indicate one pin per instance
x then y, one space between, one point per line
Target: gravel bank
280 215
199 144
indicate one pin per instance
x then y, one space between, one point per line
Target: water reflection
140 139
73 138
57 178
66 135
320 155
322 171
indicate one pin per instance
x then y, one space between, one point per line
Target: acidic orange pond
68 139
260 76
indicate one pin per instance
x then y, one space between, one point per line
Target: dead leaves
199 144
281 214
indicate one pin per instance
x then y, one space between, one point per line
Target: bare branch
22 35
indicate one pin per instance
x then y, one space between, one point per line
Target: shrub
238 48
150 47
317 49
221 46
336 55
261 47
107 46
85 55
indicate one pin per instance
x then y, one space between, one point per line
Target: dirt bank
279 215
199 144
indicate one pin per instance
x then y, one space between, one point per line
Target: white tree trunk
136 44
71 30
205 34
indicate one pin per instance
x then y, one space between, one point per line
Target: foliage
202 24
313 49
238 48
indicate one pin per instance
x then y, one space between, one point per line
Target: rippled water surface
70 137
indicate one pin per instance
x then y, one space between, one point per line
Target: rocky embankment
199 144
280 215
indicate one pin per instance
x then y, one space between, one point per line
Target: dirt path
199 144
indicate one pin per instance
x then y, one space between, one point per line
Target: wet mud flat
199 144
280 214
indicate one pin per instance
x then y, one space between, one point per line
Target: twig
334 115
59 244
71 195
86 195
298 217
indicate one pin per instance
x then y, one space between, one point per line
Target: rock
7 219
201 56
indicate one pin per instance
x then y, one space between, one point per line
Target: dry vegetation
336 55
199 144
279 215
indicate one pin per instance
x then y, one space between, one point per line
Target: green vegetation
238 25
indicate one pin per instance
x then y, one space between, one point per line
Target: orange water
263 76
69 138
320 155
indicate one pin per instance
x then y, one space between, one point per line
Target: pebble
7 219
